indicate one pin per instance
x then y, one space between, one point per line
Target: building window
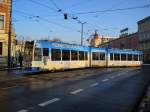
45 52
56 54
37 54
1 22
1 48
65 55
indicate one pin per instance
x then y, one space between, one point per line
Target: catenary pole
82 23
9 35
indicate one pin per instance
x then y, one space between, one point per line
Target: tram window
102 56
129 57
116 56
65 55
37 54
81 55
111 56
123 57
95 55
140 57
74 55
45 52
56 54
85 55
135 57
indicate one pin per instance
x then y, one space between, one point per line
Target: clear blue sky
108 23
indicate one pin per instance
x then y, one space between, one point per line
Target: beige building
5 7
144 37
98 40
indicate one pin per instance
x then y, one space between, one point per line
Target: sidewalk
14 68
144 105
14 73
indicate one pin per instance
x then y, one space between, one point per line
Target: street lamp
9 36
82 23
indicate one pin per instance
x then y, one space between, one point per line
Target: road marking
9 87
76 91
49 102
23 110
119 74
105 80
94 84
112 77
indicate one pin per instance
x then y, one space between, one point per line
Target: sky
40 19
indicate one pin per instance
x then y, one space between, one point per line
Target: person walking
20 59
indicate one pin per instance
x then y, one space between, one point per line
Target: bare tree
56 40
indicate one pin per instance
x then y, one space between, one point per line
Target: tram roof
127 51
67 46
59 45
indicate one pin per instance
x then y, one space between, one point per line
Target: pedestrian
11 60
14 61
20 59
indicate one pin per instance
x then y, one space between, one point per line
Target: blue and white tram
59 56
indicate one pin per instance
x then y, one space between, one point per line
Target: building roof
144 20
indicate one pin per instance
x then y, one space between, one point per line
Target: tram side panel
124 59
69 63
98 57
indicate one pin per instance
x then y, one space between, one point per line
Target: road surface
116 91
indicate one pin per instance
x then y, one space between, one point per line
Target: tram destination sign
68 46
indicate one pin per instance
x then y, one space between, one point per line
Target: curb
9 69
144 103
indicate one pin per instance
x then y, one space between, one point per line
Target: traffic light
65 16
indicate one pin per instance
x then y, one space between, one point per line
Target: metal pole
82 31
9 36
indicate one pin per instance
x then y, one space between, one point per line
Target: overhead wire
56 6
62 12
72 17
80 3
106 29
113 10
44 19
58 10
41 4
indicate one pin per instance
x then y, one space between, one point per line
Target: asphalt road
117 91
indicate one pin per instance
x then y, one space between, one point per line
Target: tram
53 56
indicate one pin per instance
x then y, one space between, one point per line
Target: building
124 42
144 37
5 7
98 40
25 48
